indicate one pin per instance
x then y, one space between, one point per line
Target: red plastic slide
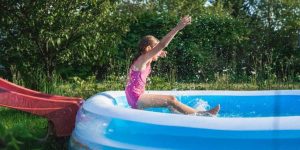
59 110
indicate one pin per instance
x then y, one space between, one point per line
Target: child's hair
147 40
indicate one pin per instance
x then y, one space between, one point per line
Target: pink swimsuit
136 85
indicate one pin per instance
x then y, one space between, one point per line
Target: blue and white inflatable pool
248 120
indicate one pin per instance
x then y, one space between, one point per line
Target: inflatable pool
248 120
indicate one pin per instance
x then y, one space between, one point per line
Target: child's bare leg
152 100
173 110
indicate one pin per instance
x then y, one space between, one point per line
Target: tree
52 35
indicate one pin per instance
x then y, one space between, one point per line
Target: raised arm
164 42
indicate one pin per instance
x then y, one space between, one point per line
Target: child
150 49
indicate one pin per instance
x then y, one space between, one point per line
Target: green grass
26 131
23 130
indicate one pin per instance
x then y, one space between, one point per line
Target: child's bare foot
211 112
215 110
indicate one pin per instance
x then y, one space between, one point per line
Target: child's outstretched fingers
184 21
187 19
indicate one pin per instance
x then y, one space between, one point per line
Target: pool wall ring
248 120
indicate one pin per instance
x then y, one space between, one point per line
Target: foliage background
242 39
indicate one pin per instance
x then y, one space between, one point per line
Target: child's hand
163 54
184 21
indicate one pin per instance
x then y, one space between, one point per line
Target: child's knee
172 100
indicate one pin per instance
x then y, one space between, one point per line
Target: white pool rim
102 104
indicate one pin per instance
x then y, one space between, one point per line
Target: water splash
201 105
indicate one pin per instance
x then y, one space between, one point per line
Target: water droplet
110 130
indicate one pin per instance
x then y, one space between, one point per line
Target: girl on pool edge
150 49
